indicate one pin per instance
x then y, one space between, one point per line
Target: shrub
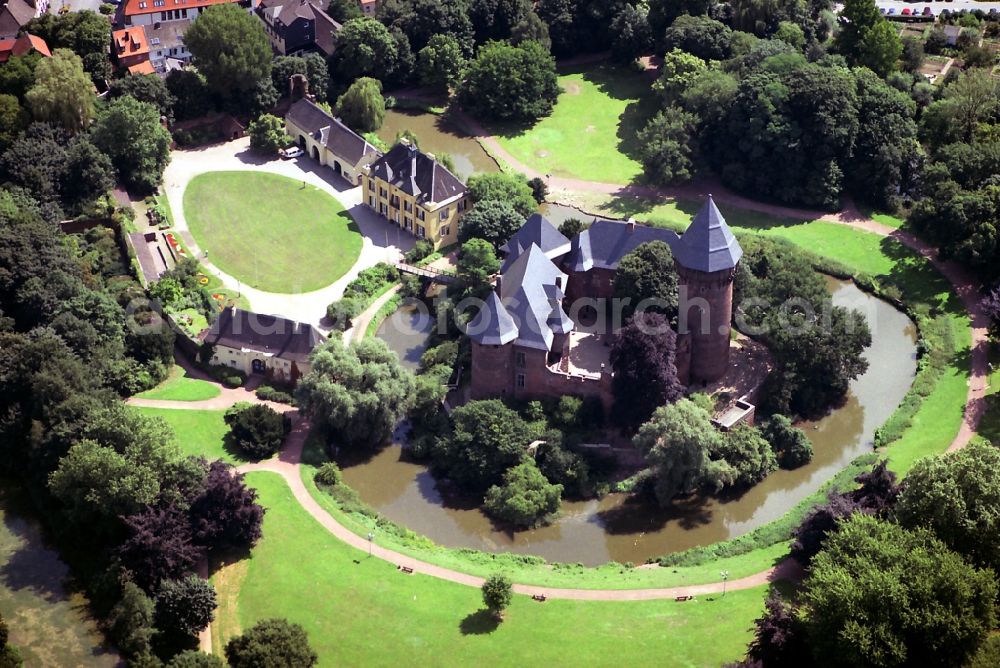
420 250
328 474
268 393
343 311
271 642
186 606
258 430
497 593
526 498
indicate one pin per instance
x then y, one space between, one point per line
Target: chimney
404 141
431 156
630 225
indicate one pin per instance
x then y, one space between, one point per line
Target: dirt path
360 326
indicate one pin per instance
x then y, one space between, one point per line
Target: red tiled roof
130 42
145 67
136 7
26 43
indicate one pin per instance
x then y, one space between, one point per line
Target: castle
526 345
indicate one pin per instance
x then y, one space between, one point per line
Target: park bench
539 597
681 599
406 569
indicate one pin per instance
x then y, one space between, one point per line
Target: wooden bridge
430 273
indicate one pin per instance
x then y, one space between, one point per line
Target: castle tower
492 333
706 257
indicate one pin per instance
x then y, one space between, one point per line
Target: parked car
905 12
289 153
892 10
928 11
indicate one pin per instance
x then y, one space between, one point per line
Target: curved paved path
381 241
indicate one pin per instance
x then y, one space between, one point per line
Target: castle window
520 380
421 232
444 213
445 231
520 359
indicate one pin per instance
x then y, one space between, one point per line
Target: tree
662 13
571 227
510 188
667 146
271 642
131 621
958 498
938 612
194 659
792 34
859 17
362 106
192 96
365 48
477 263
225 514
130 133
96 485
631 36
539 189
312 65
229 47
913 54
149 88
496 19
343 11
159 547
880 49
647 274
526 499
63 93
531 29
13 120
9 656
493 221
750 455
990 304
701 36
645 373
510 83
441 62
420 20
488 439
677 73
267 134
257 429
185 607
791 445
779 636
497 594
678 441
972 98
357 393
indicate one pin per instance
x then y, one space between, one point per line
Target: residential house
264 344
148 12
130 50
166 43
22 46
417 193
526 343
16 13
328 141
296 26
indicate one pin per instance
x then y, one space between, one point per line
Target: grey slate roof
532 291
606 242
492 326
708 244
329 131
13 15
273 335
416 174
539 231
325 33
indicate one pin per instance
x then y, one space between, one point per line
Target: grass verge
199 433
179 386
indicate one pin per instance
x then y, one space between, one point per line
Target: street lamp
371 539
724 574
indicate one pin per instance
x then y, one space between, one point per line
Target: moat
617 528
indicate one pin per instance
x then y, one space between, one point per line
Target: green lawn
358 610
199 433
269 231
179 386
591 131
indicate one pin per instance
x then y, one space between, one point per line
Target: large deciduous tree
525 499
645 371
149 88
63 93
496 19
267 134
362 106
229 47
510 83
441 62
477 263
647 274
493 221
159 546
867 39
488 439
511 188
880 595
186 606
130 133
357 393
271 642
958 498
257 429
225 513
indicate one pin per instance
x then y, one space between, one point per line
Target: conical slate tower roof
708 244
493 324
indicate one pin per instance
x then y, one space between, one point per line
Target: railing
427 272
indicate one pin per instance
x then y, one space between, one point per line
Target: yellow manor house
417 193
